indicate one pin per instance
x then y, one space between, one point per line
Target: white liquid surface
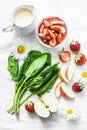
23 17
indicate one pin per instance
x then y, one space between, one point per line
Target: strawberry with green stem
75 46
29 106
80 59
77 86
64 55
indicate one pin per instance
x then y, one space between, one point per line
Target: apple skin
66 93
57 89
70 70
66 73
62 75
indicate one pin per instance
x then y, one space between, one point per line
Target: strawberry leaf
81 85
77 57
61 51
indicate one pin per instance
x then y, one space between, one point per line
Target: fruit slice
41 28
70 70
64 55
45 32
59 38
53 42
66 93
51 34
41 110
46 23
56 20
62 74
46 105
57 89
50 101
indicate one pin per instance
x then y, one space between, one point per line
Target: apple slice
46 105
66 92
70 70
57 89
41 110
50 101
62 74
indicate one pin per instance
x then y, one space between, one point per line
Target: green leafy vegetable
36 65
37 75
30 57
13 67
47 87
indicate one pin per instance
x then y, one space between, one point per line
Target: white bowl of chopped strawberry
51 32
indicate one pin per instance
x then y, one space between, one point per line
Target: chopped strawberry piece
46 23
41 28
46 37
59 39
55 27
53 42
51 34
65 56
45 32
55 20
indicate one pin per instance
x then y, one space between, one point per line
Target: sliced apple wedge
57 89
66 92
62 74
46 105
50 101
41 110
70 70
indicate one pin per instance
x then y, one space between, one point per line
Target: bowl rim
39 39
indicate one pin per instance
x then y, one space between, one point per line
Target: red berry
30 107
75 46
80 59
77 86
65 56
52 42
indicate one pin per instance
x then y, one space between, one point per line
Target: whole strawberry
29 106
77 86
80 59
75 46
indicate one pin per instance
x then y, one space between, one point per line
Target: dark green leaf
13 67
47 87
36 66
30 57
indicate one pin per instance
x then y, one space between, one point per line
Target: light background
74 13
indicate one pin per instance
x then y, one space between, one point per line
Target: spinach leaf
36 66
30 57
49 60
48 69
13 67
48 86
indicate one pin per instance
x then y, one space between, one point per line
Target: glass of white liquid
23 20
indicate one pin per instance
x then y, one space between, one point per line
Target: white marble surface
74 13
